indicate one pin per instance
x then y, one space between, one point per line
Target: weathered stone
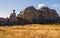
29 13
33 15
49 14
13 19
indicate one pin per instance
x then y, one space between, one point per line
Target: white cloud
40 5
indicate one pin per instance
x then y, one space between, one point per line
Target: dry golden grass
31 31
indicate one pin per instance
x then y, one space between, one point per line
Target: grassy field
31 31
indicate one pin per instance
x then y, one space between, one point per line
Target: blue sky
6 6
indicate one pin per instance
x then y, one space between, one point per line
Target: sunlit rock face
44 13
13 19
30 13
13 15
53 14
41 15
48 14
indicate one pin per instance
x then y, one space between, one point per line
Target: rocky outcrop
48 14
42 15
31 15
13 20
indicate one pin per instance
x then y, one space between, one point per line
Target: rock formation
31 15
42 15
48 14
13 19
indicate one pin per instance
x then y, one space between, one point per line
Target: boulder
29 14
42 15
48 14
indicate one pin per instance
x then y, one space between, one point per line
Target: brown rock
33 15
30 13
48 13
